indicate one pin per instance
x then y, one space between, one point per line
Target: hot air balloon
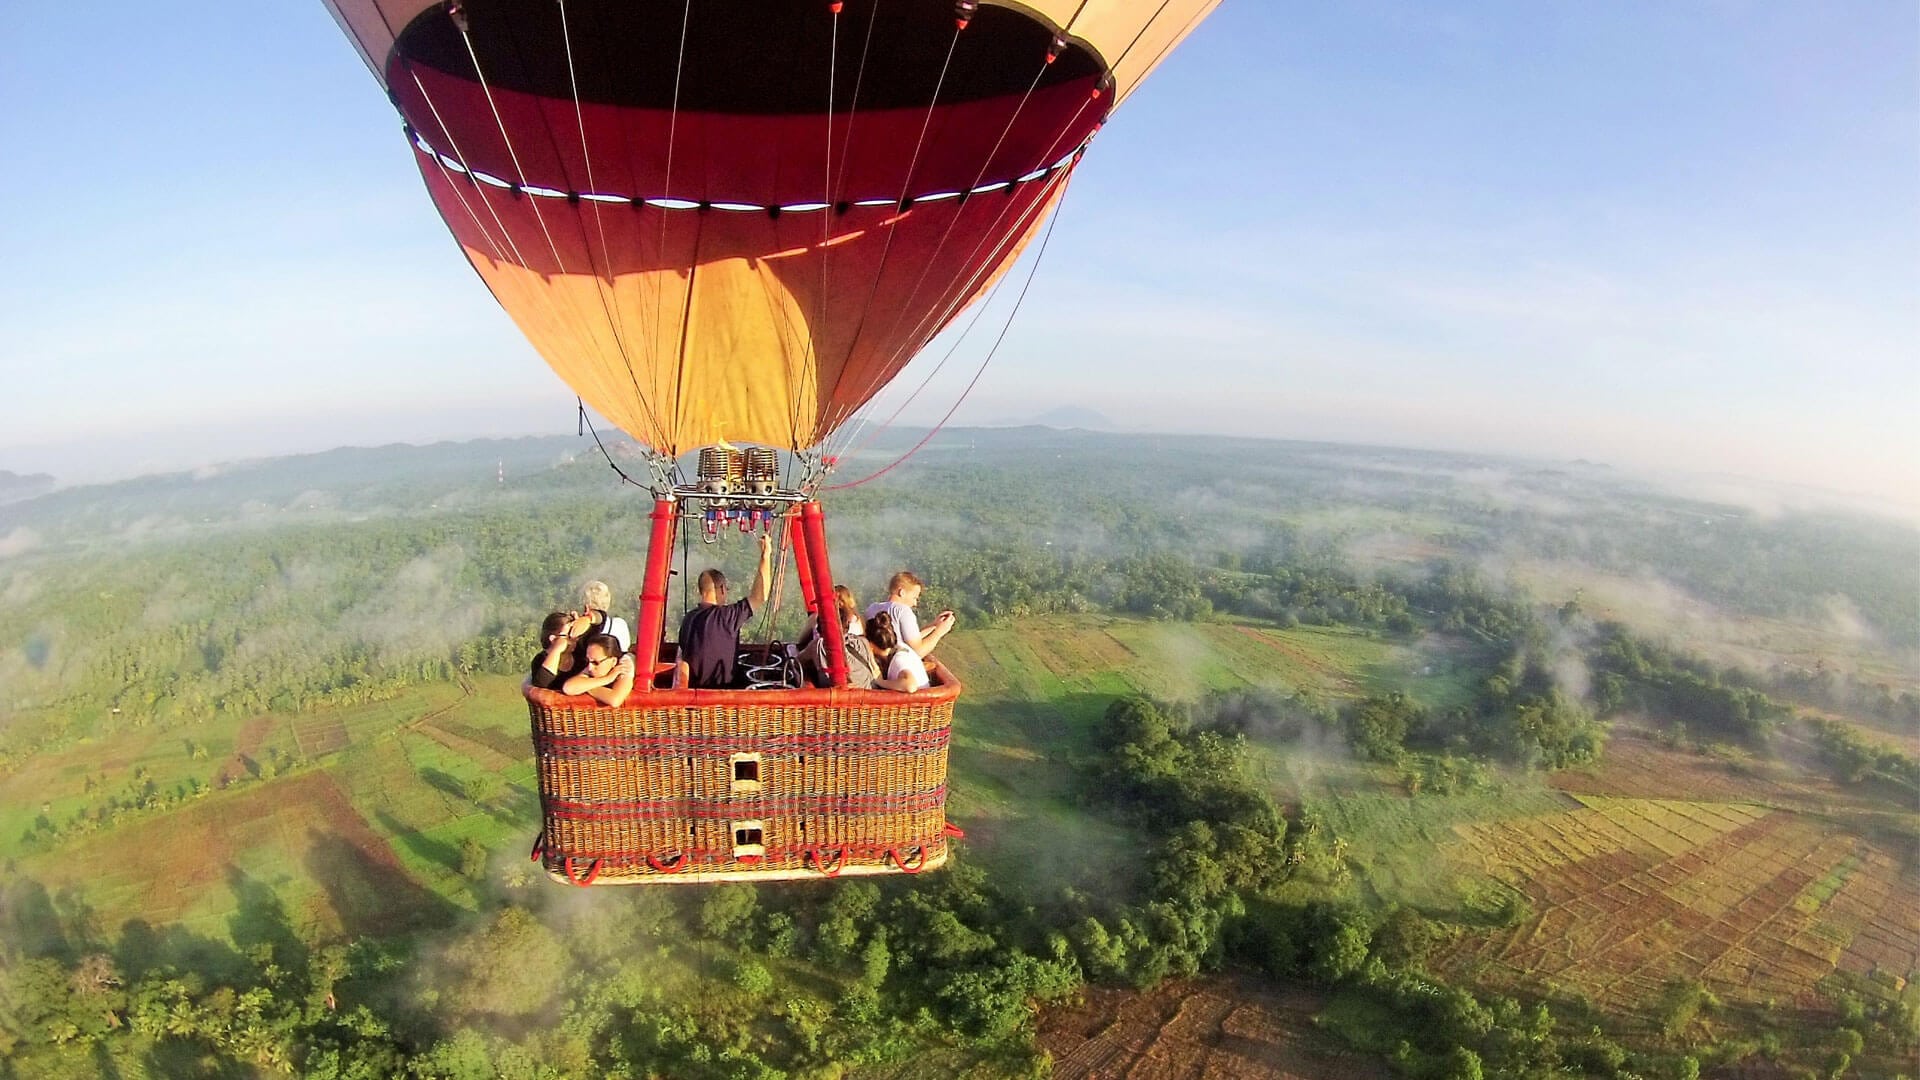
729 223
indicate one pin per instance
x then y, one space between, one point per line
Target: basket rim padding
944 688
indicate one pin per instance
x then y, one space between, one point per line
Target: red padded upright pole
802 562
814 523
653 594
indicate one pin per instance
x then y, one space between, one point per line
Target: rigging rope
906 184
939 318
673 126
505 233
588 421
930 323
614 325
1031 271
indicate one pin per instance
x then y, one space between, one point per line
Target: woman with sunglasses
607 674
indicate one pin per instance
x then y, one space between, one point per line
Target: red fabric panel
757 159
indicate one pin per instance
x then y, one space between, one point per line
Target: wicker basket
743 785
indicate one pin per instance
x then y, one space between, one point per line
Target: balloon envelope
722 220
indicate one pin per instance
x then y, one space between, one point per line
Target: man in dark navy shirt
710 634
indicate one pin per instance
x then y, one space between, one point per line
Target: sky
1671 236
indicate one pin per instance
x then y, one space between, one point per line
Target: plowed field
1628 894
1215 1029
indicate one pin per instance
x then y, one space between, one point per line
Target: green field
362 823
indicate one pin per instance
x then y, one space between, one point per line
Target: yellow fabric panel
1131 36
373 25
746 379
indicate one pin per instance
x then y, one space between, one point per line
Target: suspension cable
938 316
811 362
591 430
1018 301
615 324
507 139
986 162
906 184
506 233
673 126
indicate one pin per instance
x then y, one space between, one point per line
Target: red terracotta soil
246 746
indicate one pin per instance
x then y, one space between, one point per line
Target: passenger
599 601
607 674
903 591
905 670
559 657
710 634
862 669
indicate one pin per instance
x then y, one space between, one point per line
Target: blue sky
1663 235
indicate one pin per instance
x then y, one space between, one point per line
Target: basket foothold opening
749 840
745 769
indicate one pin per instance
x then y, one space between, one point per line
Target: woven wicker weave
672 786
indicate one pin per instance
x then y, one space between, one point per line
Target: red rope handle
539 847
593 871
955 831
668 868
894 854
820 864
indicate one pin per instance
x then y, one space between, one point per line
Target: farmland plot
1759 904
1215 1029
201 864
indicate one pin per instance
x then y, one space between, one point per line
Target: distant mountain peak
15 486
